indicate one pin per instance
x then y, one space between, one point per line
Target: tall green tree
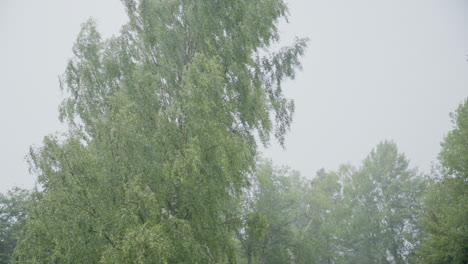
162 123
383 203
13 210
446 205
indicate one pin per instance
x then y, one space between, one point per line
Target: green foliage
13 209
319 231
383 203
454 154
365 215
159 162
272 206
446 205
162 123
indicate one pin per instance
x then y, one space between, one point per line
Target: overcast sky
374 70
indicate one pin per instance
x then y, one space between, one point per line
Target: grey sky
374 70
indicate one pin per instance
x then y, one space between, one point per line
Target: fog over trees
160 162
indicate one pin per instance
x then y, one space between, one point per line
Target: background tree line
381 212
160 161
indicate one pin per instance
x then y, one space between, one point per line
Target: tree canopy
162 132
160 162
446 205
14 207
383 203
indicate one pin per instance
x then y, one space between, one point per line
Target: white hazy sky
374 70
